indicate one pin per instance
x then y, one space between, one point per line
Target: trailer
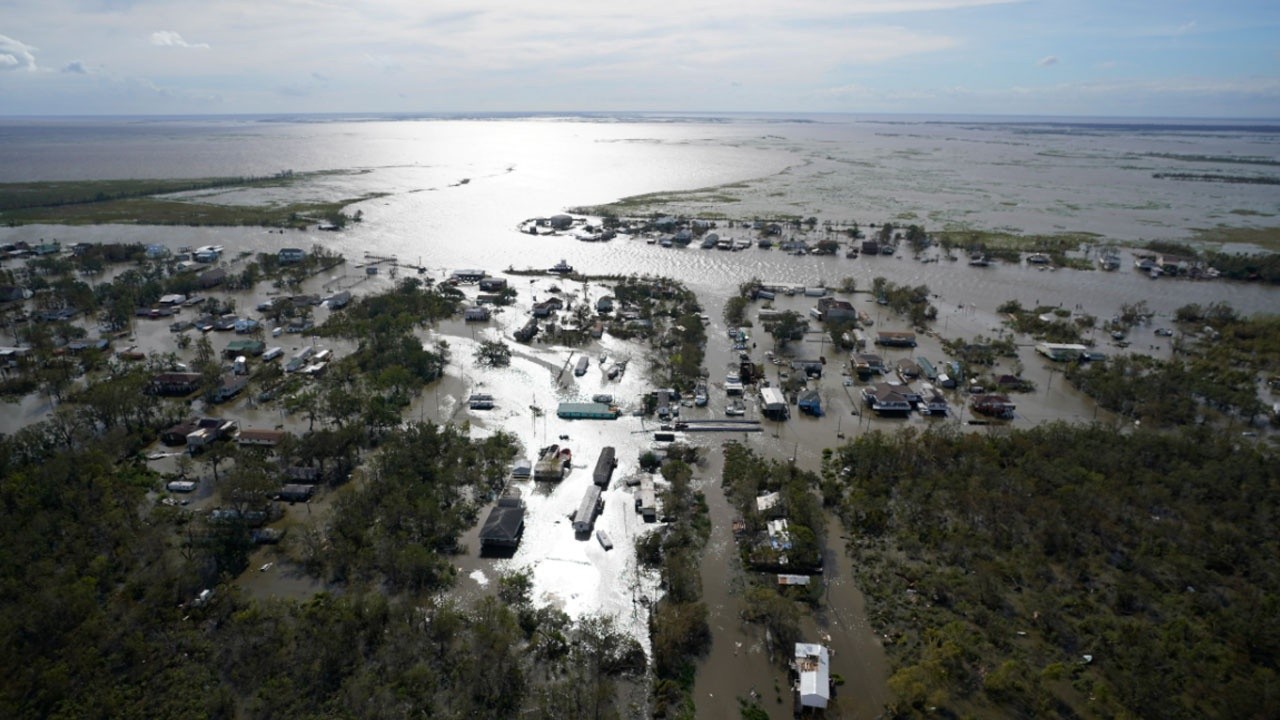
585 517
773 404
604 466
586 411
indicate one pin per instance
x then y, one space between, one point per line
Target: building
810 403
812 665
892 338
235 348
886 399
994 405
604 305
467 275
585 517
491 284
647 500
1061 352
229 387
478 313
586 411
289 256
833 310
257 437
773 405
867 364
504 526
174 384
604 466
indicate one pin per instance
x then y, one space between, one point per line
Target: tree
493 353
788 326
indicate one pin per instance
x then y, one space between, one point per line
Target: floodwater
1032 178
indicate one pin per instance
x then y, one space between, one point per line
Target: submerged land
257 478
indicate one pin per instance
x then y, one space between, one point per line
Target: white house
813 665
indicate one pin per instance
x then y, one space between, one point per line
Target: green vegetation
493 353
148 202
913 302
676 330
1218 359
678 628
1067 571
1050 324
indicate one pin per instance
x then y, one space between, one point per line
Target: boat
602 399
1039 259
561 268
605 541
700 396
979 260
735 409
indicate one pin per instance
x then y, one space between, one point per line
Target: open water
1025 175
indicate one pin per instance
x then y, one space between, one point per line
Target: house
870 247
211 278
833 310
174 384
908 369
544 309
647 500
560 222
810 403
478 313
256 437
604 305
504 525
467 275
236 348
205 430
812 665
866 364
229 386
811 368
289 256
891 338
1060 352
772 404
302 474
244 326
295 493
338 300
491 284
173 299
994 405
886 399
769 503
526 333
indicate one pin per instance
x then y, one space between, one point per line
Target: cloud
169 38
15 55
1048 61
75 67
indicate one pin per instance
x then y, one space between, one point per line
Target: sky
1097 58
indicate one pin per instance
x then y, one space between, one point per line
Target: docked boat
561 268
605 541
979 260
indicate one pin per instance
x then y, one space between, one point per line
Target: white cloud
1048 61
15 55
75 67
169 38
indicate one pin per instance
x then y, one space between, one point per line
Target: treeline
677 331
1218 357
678 626
102 608
746 477
20 196
1067 570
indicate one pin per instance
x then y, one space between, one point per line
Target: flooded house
998 406
886 399
504 526
812 667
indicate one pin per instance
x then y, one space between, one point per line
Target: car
1164 332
